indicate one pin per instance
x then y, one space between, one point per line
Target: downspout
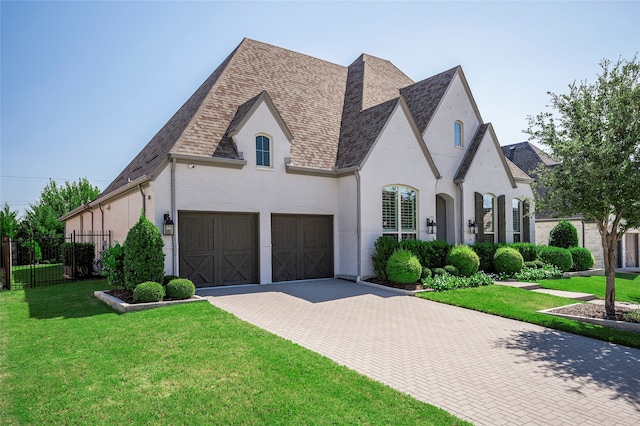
174 213
460 185
144 202
583 241
102 218
358 226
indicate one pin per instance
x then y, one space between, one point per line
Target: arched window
489 218
516 208
263 151
457 133
399 212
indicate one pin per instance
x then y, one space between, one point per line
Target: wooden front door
302 247
218 248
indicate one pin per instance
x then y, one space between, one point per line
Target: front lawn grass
67 358
42 272
627 286
523 305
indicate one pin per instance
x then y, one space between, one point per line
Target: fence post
7 262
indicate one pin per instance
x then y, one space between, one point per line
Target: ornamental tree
595 134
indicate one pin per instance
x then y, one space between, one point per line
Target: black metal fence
35 262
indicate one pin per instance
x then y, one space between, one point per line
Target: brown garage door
218 248
302 247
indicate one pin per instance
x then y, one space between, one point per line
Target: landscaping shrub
435 253
582 258
485 252
563 235
632 316
556 256
539 263
547 272
450 282
383 249
33 250
113 265
143 256
148 291
169 278
464 259
403 267
426 272
84 254
529 251
452 270
438 271
531 265
507 260
180 288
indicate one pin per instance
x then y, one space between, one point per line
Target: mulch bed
589 310
127 296
387 283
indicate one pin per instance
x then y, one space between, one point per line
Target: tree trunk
609 243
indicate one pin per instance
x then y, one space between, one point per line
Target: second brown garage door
302 247
218 248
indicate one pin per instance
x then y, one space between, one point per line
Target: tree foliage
42 218
8 221
564 235
595 135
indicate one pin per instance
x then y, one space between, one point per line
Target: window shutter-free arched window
263 151
457 133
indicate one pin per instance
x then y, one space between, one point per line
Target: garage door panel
218 248
302 247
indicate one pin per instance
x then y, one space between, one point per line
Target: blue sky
85 85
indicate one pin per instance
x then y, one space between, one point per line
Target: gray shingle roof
334 113
527 157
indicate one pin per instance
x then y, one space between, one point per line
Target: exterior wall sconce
167 225
472 225
431 225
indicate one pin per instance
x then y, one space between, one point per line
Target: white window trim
255 151
461 134
399 232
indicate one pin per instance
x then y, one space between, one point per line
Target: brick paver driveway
482 368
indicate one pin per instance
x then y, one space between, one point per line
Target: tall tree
8 221
595 134
42 218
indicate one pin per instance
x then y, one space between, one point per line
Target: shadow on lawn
582 360
67 300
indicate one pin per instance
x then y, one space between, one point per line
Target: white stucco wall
396 159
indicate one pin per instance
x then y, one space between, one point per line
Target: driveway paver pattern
482 368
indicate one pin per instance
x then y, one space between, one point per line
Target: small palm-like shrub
426 273
452 270
508 260
180 288
582 258
148 291
464 259
403 267
556 256
564 235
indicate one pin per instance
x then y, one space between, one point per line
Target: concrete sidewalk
482 368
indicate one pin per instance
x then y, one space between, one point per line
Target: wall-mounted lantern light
431 225
167 225
472 225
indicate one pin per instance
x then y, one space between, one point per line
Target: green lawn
67 358
22 274
523 305
627 286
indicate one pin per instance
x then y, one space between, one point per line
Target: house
282 166
528 157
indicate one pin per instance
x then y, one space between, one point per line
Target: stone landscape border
620 325
125 307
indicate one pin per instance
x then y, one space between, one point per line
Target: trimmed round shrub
426 273
531 265
438 271
452 270
556 256
383 249
564 235
180 288
582 258
168 278
148 291
508 260
464 259
539 263
143 255
403 267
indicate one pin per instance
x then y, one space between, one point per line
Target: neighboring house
528 157
282 166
